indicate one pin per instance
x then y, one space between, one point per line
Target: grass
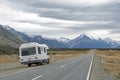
55 55
111 61
7 50
118 76
9 59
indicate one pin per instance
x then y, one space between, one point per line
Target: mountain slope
63 40
8 39
9 43
82 41
52 43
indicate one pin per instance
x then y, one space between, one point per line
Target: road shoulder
98 72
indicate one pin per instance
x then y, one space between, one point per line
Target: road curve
71 69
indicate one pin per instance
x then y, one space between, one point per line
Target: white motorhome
33 53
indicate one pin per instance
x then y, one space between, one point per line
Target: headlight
21 59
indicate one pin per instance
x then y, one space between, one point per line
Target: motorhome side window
45 50
39 50
28 51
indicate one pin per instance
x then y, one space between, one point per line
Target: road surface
71 69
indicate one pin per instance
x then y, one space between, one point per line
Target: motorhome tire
48 61
41 63
29 65
38 64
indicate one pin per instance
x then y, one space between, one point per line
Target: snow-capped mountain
62 39
7 27
83 37
82 41
52 43
8 40
112 42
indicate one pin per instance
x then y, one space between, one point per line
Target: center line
37 77
62 66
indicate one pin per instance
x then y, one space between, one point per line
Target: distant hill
8 41
82 41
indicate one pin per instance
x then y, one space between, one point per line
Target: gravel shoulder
98 72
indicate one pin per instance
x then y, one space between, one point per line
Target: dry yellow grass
111 60
62 55
9 59
54 56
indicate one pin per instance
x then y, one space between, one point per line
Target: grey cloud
39 23
115 32
113 27
45 8
67 12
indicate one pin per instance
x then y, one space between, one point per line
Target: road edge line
90 68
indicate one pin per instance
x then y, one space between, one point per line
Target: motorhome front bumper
27 62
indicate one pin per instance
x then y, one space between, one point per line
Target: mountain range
9 43
82 41
8 39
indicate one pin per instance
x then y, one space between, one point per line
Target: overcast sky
63 18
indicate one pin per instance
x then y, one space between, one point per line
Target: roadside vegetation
11 55
62 54
6 50
110 61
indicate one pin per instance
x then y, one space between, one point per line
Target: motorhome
33 53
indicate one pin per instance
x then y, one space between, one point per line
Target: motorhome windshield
28 51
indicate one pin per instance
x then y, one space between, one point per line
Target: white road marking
90 68
62 66
37 77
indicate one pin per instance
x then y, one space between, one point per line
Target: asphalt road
71 69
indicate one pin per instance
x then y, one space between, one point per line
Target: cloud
64 9
62 18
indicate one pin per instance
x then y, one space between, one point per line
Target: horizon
69 19
60 38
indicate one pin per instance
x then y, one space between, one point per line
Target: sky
63 18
